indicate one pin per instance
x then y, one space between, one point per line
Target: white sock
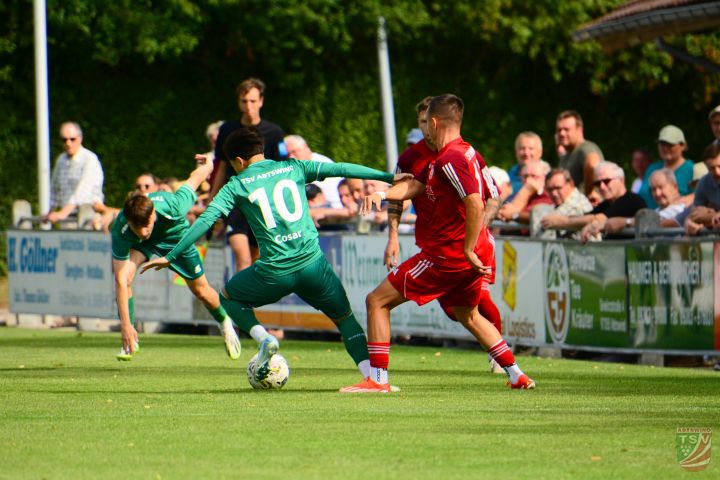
258 333
364 368
513 372
379 375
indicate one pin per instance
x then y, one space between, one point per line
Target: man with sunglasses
77 178
613 214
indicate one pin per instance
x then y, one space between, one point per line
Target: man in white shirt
77 178
298 148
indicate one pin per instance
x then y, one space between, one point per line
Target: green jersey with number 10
271 195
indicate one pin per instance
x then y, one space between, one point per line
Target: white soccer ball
276 379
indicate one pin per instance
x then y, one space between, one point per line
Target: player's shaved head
448 108
137 209
245 142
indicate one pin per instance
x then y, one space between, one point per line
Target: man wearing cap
714 120
671 147
582 155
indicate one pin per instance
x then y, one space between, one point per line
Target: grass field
182 409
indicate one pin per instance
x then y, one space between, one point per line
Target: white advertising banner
518 291
60 272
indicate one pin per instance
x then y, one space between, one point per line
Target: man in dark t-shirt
250 97
613 214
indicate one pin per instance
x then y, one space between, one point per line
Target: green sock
244 318
131 309
218 314
354 339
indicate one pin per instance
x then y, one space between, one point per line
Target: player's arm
392 249
202 171
122 270
219 179
474 217
404 190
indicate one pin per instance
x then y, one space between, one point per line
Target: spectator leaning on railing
613 214
568 201
705 212
664 190
532 193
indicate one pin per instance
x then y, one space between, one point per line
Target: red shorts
422 281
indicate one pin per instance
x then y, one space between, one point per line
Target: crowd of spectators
577 195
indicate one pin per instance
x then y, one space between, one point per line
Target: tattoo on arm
491 208
394 210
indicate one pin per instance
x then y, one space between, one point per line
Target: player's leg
136 259
489 310
488 336
248 289
318 285
415 279
240 247
211 300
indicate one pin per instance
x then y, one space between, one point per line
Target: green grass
182 409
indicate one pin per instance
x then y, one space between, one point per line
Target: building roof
639 21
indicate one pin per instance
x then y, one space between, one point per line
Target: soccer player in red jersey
415 159
454 258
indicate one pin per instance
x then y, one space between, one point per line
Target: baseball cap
699 171
671 134
713 112
414 136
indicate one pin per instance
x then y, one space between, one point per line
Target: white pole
388 110
41 107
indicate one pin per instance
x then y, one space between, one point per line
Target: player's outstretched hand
402 177
368 202
477 265
157 264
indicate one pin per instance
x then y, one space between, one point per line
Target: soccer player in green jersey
271 195
151 225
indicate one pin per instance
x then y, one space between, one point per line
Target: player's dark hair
711 151
570 114
245 142
447 107
137 209
422 105
312 191
248 84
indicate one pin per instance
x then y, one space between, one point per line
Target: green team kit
271 195
170 225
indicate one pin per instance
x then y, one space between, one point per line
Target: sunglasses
142 185
604 181
553 189
68 139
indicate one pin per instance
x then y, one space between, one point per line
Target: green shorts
316 284
188 264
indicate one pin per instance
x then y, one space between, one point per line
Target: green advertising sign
585 295
670 296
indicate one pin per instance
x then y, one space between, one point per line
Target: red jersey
458 171
415 159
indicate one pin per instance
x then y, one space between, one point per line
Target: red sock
379 354
502 354
489 310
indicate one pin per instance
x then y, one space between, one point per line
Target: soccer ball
276 379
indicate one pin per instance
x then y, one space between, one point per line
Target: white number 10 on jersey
260 197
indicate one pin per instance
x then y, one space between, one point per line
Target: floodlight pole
388 111
42 110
